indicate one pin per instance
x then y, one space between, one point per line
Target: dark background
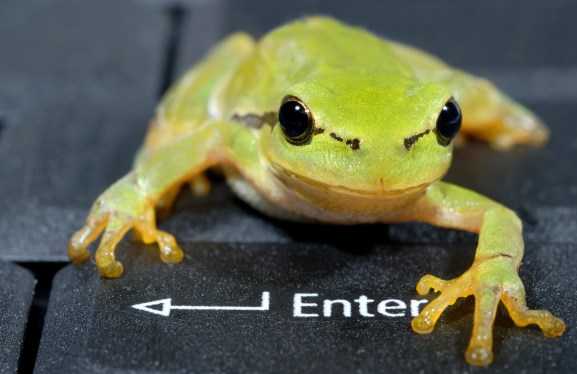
78 83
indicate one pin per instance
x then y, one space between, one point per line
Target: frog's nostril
354 143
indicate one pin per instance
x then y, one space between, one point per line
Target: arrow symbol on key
167 306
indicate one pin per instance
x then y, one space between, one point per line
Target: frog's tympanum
319 121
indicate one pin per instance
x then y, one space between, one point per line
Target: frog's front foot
490 281
120 208
517 125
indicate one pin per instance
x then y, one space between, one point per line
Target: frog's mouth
292 180
341 204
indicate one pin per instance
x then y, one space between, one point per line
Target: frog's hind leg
488 114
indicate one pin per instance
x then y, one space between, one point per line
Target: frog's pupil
294 120
449 122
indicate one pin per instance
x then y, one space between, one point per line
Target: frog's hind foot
515 125
489 281
513 130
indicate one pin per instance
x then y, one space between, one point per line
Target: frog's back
310 46
185 106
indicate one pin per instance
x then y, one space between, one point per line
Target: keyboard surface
79 81
15 297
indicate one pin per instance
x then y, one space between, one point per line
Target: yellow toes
108 267
423 324
425 321
480 350
77 255
523 316
77 251
200 185
429 282
490 281
171 254
553 327
112 270
79 242
479 355
450 292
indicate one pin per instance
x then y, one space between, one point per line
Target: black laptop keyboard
79 81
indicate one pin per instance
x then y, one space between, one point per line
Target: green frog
319 121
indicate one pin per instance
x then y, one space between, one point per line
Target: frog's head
361 136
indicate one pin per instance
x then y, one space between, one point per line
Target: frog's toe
111 270
76 251
479 355
539 136
79 242
170 252
523 316
480 350
200 185
108 267
429 282
519 127
450 292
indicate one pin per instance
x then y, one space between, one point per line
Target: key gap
44 273
176 15
2 126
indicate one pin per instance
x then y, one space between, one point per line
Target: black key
79 85
291 308
16 291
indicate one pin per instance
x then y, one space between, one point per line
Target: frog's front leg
492 277
130 202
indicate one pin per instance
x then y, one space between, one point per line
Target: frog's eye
296 120
448 123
